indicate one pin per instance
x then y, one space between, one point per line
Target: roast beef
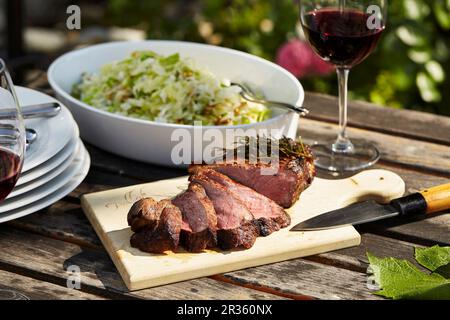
268 215
284 187
198 229
145 213
235 223
159 230
226 204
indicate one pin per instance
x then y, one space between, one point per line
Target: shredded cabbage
166 89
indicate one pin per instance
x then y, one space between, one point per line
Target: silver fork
248 95
11 135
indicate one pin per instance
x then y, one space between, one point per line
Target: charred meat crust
161 236
145 213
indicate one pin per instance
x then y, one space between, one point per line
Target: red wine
10 166
341 37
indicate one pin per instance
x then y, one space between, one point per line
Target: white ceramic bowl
151 141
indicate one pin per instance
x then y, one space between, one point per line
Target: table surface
37 250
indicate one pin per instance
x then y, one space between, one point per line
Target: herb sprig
249 147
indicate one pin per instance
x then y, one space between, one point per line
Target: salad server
248 95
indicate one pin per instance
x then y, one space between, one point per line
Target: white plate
50 164
152 141
53 133
33 184
46 189
50 198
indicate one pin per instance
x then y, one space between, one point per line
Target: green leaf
415 9
436 259
427 88
412 35
442 15
399 279
419 56
435 70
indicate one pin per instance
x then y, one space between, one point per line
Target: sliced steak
198 230
161 234
283 187
269 216
235 225
143 213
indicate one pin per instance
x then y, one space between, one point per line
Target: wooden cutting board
107 211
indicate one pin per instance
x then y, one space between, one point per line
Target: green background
409 69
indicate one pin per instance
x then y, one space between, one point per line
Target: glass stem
342 144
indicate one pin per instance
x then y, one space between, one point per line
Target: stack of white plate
55 163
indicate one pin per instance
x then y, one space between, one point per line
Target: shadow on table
391 227
96 270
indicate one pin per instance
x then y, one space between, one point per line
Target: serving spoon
248 95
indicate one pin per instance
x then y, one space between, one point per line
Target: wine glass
12 134
344 33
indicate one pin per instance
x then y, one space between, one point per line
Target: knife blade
424 202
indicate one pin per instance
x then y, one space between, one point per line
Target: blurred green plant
409 69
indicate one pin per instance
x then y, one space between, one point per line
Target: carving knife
420 203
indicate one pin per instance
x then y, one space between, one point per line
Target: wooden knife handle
430 200
437 198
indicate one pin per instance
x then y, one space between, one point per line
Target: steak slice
283 187
198 229
163 233
235 226
146 213
269 216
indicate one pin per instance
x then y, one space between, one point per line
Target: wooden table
37 250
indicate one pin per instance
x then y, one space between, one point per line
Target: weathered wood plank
422 230
308 278
99 180
402 151
14 286
48 259
108 162
63 221
407 123
355 258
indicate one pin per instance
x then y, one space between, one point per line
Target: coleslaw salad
167 89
